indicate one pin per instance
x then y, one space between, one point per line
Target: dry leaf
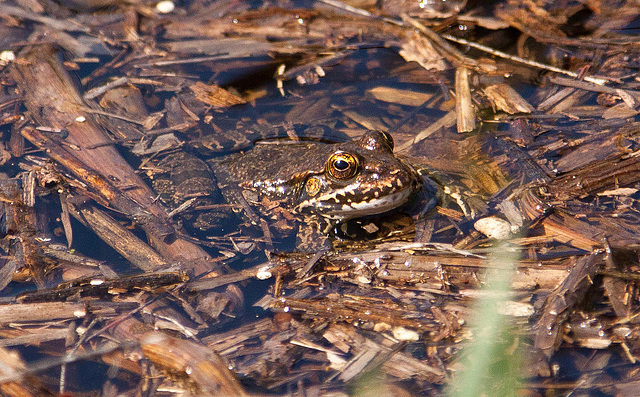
418 48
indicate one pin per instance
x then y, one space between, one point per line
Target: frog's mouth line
337 206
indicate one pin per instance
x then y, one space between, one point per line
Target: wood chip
506 99
400 96
465 110
215 96
45 311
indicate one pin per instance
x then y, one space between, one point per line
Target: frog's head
359 178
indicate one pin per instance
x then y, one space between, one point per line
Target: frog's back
270 162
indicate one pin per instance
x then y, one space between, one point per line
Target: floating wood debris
522 118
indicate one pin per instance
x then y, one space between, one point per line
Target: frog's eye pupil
341 165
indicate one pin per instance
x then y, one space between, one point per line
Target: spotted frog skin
338 181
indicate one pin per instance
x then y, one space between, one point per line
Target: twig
449 50
514 58
184 61
591 87
360 11
60 24
96 92
107 114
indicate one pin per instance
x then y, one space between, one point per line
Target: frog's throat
336 205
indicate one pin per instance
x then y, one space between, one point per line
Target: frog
309 187
187 186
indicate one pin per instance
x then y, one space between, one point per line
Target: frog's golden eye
342 165
387 138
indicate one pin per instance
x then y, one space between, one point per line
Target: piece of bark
465 111
506 99
218 47
412 269
46 311
262 271
74 265
587 86
587 154
532 19
103 287
353 310
201 365
565 227
11 211
67 24
569 230
16 142
54 102
619 171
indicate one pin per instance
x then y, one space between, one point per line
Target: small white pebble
493 227
81 119
264 273
80 313
7 56
516 309
364 279
401 333
165 6
381 327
